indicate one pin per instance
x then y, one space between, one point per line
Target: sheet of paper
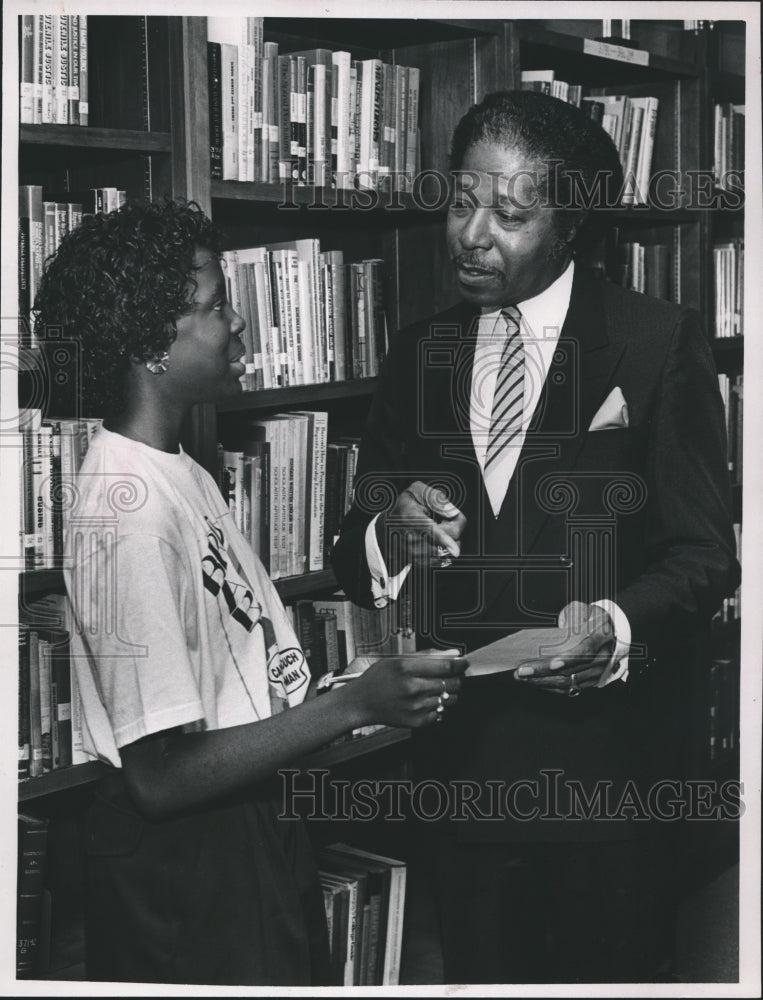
513 650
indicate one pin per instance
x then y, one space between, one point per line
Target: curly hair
117 284
584 170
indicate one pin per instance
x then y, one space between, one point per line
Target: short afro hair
117 284
584 170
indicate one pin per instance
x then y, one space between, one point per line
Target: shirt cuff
617 668
384 588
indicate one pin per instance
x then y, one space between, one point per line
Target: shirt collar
548 308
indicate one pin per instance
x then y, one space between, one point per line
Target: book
395 878
341 606
23 706
33 833
214 83
31 239
326 640
26 69
340 870
315 492
343 894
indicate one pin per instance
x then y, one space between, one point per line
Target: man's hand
423 528
581 660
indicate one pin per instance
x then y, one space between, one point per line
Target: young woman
193 685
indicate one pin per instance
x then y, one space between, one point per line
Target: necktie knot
511 315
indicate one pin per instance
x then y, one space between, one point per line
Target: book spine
74 70
35 724
318 490
26 69
332 88
84 80
38 59
32 851
24 737
61 674
342 61
284 119
46 716
31 208
214 66
257 25
229 78
411 155
48 105
61 69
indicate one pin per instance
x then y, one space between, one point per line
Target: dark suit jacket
640 515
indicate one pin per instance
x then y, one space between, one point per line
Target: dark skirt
227 895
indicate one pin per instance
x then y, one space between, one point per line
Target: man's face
500 235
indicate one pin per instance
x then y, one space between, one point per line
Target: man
550 450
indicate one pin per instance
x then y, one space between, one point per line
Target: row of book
50 717
333 631
728 140
51 452
289 489
275 485
364 895
631 122
310 317
43 223
53 63
728 269
732 394
312 117
642 267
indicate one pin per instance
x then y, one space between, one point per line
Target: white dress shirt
541 323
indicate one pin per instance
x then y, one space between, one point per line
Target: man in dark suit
550 450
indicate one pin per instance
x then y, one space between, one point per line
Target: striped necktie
508 399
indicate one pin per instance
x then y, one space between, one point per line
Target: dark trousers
556 913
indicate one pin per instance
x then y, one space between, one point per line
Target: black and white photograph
380 527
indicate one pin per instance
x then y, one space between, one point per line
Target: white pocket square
612 413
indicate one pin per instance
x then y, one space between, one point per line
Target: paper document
514 650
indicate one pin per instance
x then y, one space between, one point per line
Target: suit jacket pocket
621 448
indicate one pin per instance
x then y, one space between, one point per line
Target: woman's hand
408 691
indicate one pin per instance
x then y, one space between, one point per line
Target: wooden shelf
646 215
727 345
568 52
294 197
297 395
81 775
290 587
36 582
367 34
61 780
339 753
85 137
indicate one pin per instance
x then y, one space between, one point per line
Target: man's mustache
469 260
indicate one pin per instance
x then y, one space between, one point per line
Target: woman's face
205 357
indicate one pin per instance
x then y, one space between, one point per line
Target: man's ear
569 225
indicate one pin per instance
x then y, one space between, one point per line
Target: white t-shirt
176 622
